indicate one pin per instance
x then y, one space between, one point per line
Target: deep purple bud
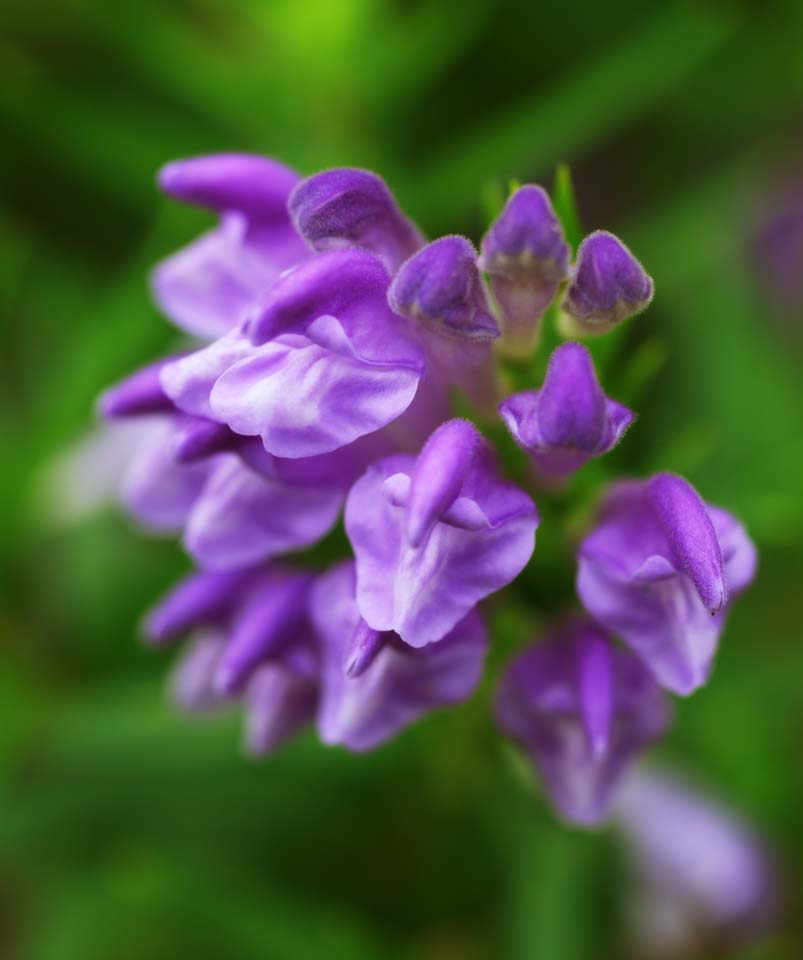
701 879
583 711
569 420
608 285
527 257
249 184
658 571
353 208
140 393
441 287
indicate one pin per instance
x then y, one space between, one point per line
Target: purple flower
234 502
155 488
242 515
701 879
353 208
659 570
250 638
527 257
569 420
369 698
583 711
205 287
324 362
608 285
433 536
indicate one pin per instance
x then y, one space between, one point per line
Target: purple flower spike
583 711
527 257
360 711
435 535
659 570
441 287
353 208
608 285
569 420
701 880
206 287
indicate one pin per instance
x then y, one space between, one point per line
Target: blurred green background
127 831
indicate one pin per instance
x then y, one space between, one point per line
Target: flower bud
527 257
608 286
569 420
440 286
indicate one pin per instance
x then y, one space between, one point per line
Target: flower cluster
333 341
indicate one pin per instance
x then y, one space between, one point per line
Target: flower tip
346 207
526 237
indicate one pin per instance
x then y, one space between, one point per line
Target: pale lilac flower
608 285
569 420
583 711
369 698
434 535
205 287
320 362
353 208
527 258
660 570
701 878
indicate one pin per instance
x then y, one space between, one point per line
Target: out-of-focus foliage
130 832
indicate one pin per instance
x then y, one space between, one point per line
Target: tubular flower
583 711
333 338
434 535
569 420
250 638
372 683
660 570
700 878
204 288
